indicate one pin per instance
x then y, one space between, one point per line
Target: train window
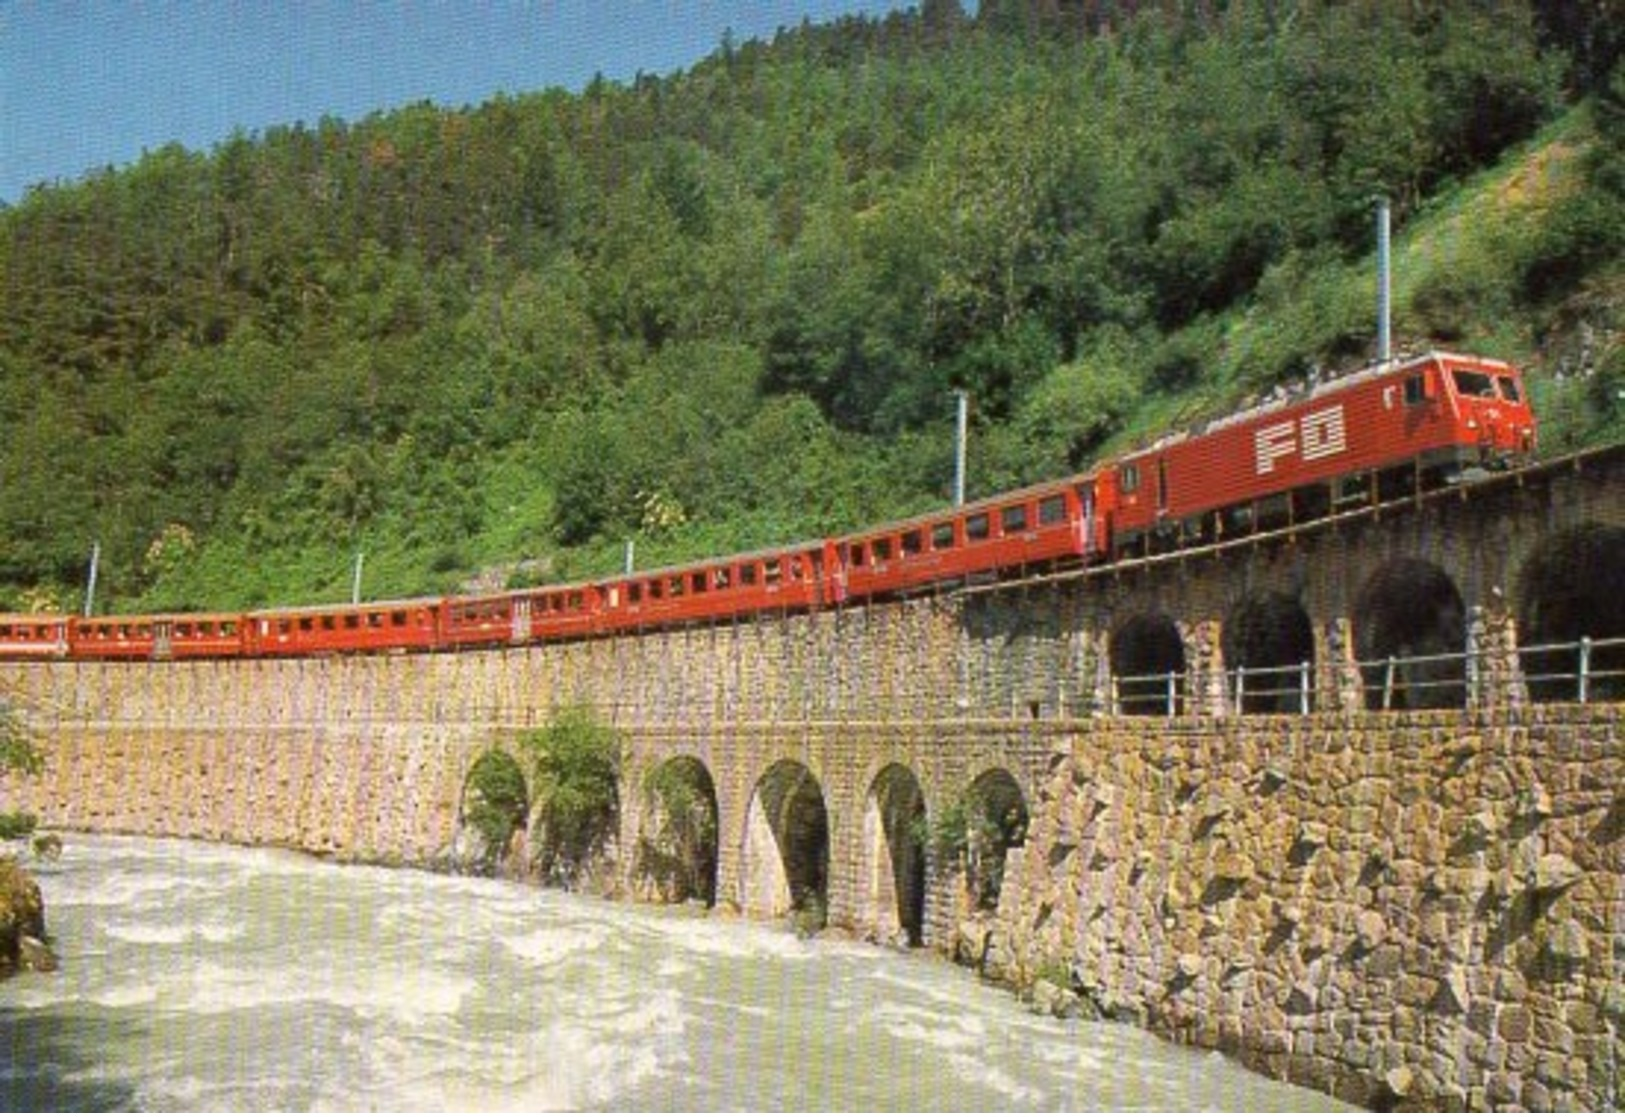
1128 478
397 619
306 624
656 590
698 582
942 536
978 526
854 554
913 543
770 571
1473 384
724 578
1013 520
375 620
327 624
747 574
1052 510
881 549
1415 389
1509 389
228 628
634 593
352 620
675 585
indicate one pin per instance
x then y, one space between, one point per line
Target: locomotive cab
1488 401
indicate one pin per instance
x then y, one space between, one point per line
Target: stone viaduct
1383 858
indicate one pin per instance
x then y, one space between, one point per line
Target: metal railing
1579 671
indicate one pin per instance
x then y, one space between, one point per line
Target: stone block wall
1424 910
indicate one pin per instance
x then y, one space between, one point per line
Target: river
200 977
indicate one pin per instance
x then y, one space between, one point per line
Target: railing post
1585 668
1303 688
1241 689
1388 686
1116 706
1172 712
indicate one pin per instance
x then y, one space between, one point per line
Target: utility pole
961 417
1384 283
355 583
90 583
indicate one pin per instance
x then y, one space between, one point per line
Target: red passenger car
33 636
377 626
1398 425
791 578
1028 528
521 617
157 637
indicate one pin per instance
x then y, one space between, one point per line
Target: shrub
576 760
497 802
16 824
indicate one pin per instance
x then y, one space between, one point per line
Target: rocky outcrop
22 922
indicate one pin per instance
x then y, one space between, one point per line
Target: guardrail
1579 671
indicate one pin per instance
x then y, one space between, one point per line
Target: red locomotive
1416 423
1385 430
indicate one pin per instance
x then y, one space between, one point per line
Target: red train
1369 436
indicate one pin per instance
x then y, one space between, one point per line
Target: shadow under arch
893 900
1573 587
1145 651
979 831
1409 609
784 865
676 854
1270 638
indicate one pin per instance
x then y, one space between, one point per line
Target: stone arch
1410 608
991 821
1144 650
1270 636
493 807
893 865
784 865
1573 587
676 855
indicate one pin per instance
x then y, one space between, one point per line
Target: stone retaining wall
1423 910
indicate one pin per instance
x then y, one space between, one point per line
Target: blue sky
88 84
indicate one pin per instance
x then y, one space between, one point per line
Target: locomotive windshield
1509 389
1474 384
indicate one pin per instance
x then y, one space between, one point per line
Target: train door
1086 493
1162 487
520 631
163 633
834 589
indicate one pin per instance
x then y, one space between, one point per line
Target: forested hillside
728 307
